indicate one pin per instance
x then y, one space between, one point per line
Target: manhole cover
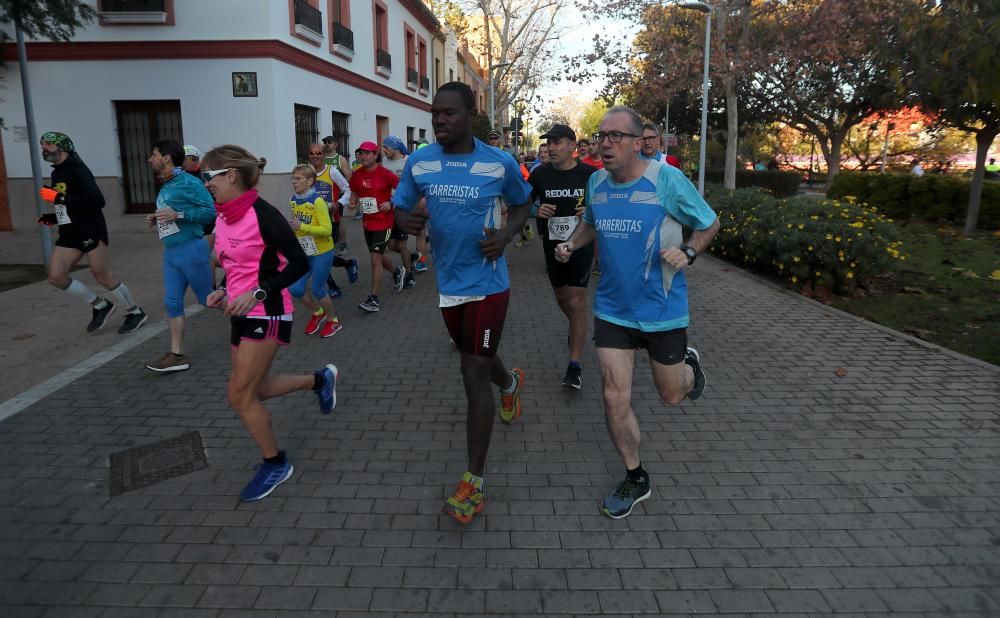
151 463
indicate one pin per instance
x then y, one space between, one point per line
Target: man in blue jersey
636 208
465 183
651 143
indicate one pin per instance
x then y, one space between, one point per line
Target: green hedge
782 184
933 197
807 241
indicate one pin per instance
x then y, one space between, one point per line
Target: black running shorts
398 234
476 326
666 347
82 239
377 240
260 329
575 272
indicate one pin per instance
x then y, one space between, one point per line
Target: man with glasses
651 143
636 208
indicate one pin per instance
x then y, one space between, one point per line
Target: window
341 133
383 61
341 35
451 75
425 82
140 123
423 135
306 131
411 143
307 21
410 48
381 128
437 73
132 12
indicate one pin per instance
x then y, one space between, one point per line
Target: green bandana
59 139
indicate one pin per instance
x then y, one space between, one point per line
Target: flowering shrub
809 242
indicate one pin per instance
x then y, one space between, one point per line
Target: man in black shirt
559 186
77 201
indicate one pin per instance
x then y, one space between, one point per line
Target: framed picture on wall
244 84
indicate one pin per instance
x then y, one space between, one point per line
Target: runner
183 208
192 162
589 154
464 181
340 163
261 258
372 187
77 202
331 185
559 186
311 223
543 157
394 156
651 143
636 208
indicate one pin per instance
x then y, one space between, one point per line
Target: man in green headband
78 203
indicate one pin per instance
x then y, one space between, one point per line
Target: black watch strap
690 253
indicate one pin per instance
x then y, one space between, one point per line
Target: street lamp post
493 103
707 10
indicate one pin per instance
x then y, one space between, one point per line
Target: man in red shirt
371 191
589 153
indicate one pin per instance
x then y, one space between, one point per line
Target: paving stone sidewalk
785 490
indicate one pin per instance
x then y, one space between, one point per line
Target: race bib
561 228
308 245
369 205
62 217
167 228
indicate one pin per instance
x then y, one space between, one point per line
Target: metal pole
493 103
885 148
666 130
704 107
36 161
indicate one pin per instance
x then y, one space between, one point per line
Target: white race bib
561 228
369 205
308 245
167 228
62 217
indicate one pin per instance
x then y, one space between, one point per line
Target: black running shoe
133 320
691 357
409 281
572 377
101 317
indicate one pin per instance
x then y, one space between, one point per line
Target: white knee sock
121 293
80 291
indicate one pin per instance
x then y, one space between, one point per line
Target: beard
51 157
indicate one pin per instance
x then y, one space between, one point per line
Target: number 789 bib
561 228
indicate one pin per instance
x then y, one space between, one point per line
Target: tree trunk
732 132
833 158
984 138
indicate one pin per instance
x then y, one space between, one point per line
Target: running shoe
420 266
691 357
398 274
334 289
358 215
510 403
352 270
409 281
371 305
467 500
327 392
521 243
343 250
572 377
169 362
331 328
314 324
619 503
133 320
101 316
529 232
267 477
415 257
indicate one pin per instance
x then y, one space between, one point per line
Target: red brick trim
197 50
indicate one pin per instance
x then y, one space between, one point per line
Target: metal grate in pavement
148 464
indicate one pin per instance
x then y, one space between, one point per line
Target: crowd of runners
609 197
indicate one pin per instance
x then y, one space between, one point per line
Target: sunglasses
315 152
210 174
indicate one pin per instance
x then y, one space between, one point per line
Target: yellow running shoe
467 500
510 403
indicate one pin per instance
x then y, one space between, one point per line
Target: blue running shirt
634 222
465 193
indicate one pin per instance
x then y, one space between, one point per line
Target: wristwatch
690 253
259 294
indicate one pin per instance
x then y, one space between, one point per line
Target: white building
270 75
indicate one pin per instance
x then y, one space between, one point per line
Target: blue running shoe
333 288
267 477
619 503
352 270
327 392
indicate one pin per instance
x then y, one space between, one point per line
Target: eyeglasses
315 153
613 136
210 174
650 138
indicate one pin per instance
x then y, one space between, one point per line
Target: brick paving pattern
785 490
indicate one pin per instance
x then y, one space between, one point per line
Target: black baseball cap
493 133
329 139
560 130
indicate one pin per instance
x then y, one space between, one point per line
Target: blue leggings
319 270
187 264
